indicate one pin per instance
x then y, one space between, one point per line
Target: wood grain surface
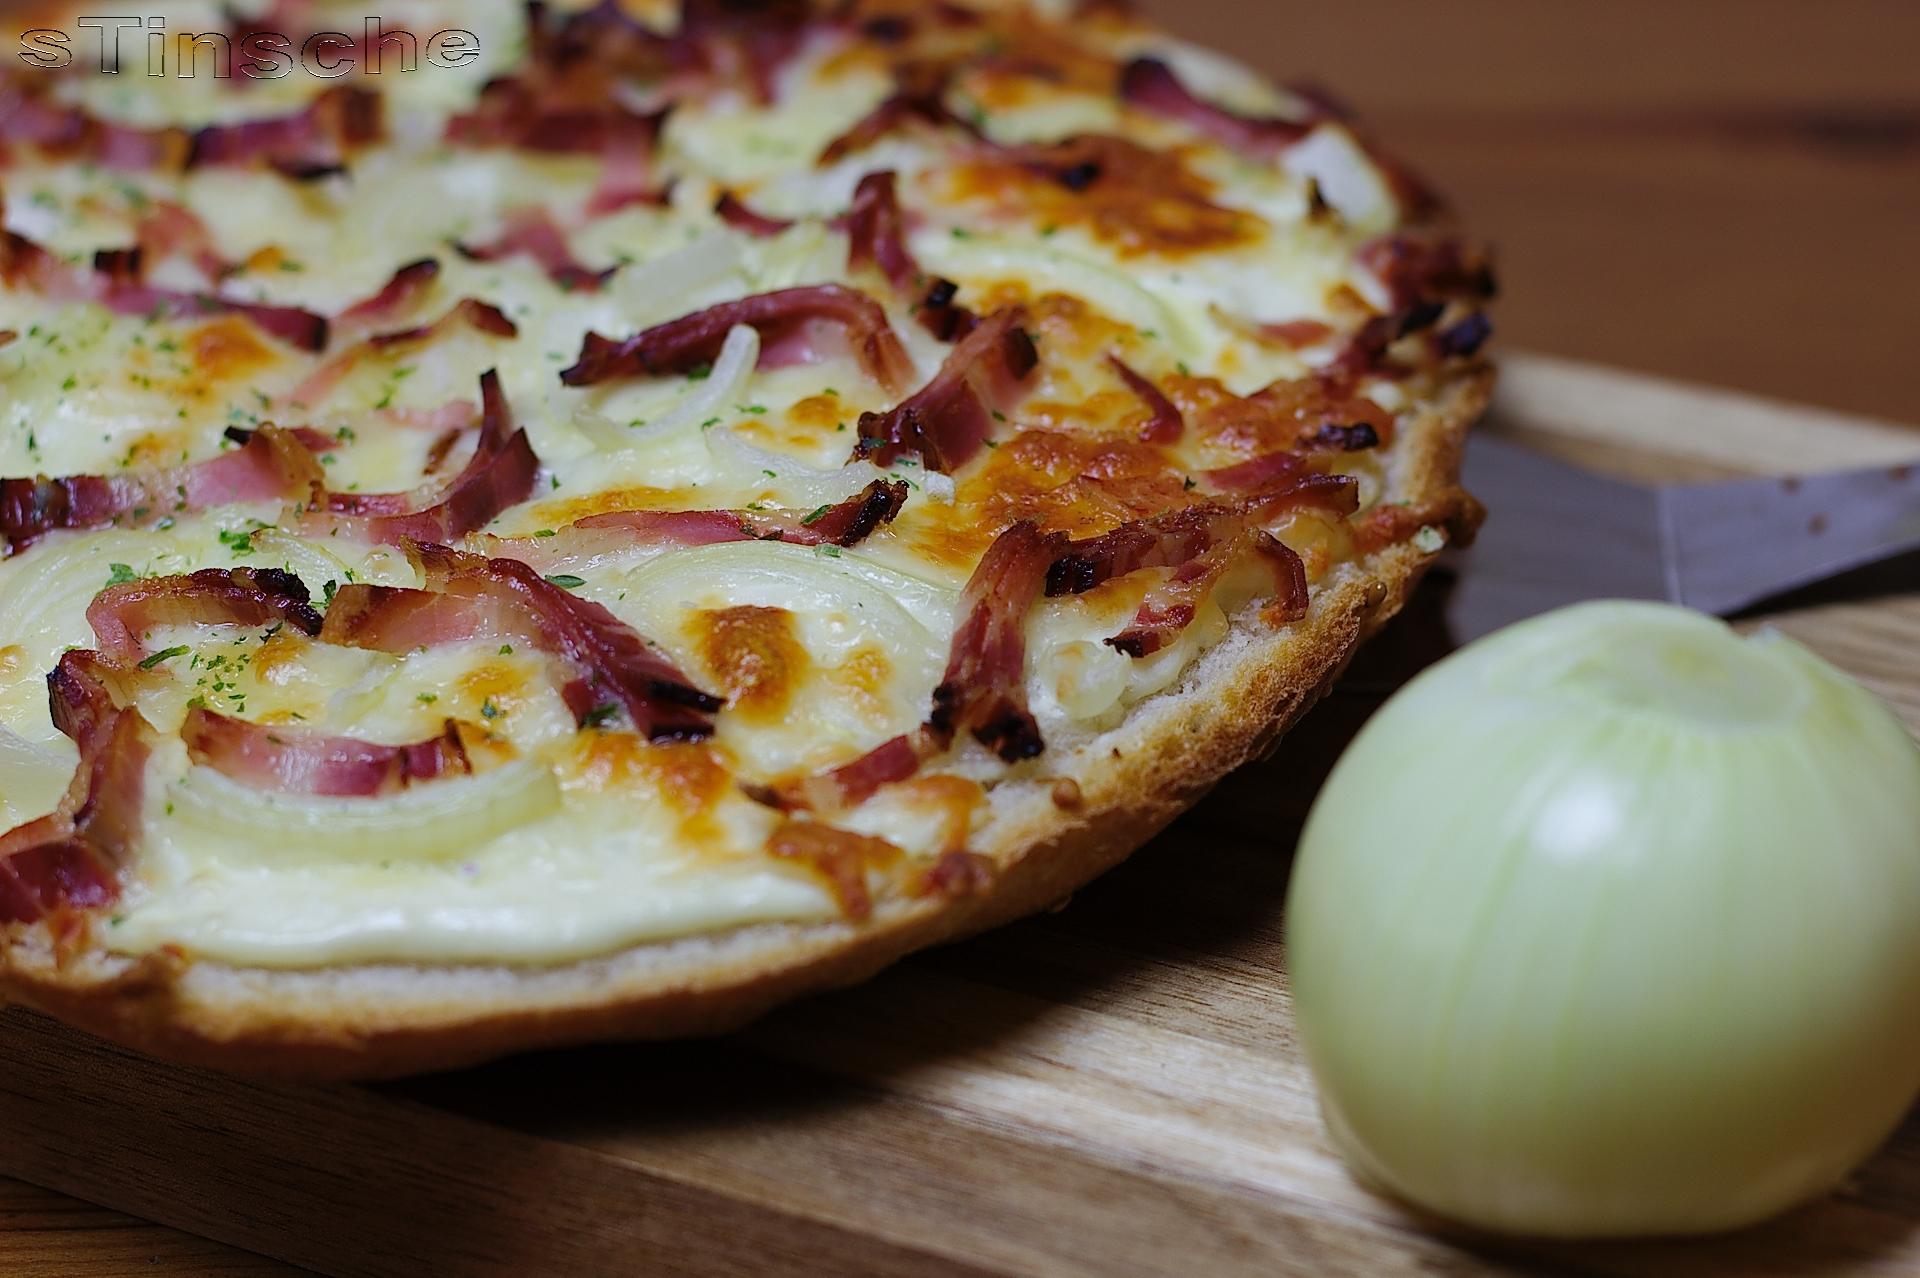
1111 1089
1726 191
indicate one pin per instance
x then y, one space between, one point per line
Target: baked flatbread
670 511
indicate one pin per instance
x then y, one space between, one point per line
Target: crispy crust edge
379 1021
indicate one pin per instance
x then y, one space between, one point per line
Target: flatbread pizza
640 512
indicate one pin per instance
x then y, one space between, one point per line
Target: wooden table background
1721 190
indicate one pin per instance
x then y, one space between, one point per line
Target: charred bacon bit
984 691
784 319
1354 438
122 616
1464 340
948 420
611 668
396 297
480 316
271 464
1165 425
24 264
840 857
956 873
71 859
918 99
1170 607
877 234
1163 541
500 474
1423 271
1151 85
736 214
311 143
300 761
533 233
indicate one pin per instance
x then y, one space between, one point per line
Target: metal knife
1558 534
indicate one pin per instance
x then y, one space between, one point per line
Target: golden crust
387 1020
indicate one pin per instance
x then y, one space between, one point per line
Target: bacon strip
169 230
500 474
1152 85
783 319
396 297
517 112
311 143
301 761
28 116
122 616
984 690
854 783
612 669
115 284
533 233
71 859
270 464
846 524
1165 426
480 316
730 210
877 232
948 420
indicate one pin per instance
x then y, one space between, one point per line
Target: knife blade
1557 534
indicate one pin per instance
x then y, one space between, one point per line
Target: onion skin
1610 925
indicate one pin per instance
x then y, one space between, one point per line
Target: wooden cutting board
1110 1089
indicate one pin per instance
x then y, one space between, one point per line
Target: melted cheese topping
582 842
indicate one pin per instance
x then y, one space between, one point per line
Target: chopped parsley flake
167 654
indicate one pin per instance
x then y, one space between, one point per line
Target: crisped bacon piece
311 143
748 41
532 232
500 474
1281 481
785 320
482 317
736 214
985 687
612 670
1165 425
301 761
919 99
1170 607
1152 85
878 237
948 419
270 464
122 616
116 284
71 859
1163 541
396 297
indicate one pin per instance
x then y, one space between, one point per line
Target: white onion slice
725 385
437 820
